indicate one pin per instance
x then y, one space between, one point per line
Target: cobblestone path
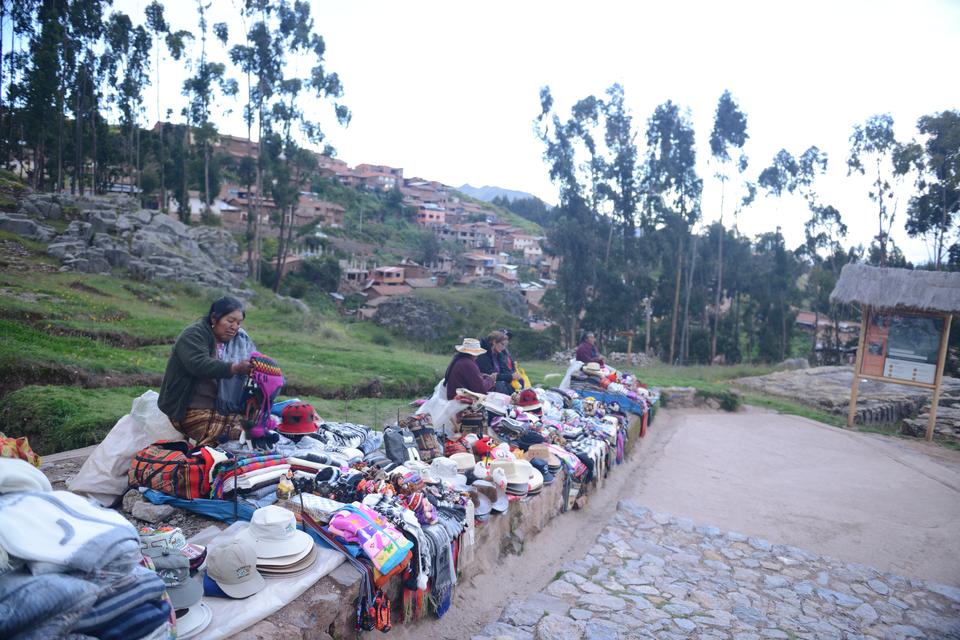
650 575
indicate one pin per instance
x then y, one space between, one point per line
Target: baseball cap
233 566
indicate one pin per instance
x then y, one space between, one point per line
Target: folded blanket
121 595
44 606
58 531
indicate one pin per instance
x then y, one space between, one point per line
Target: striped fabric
240 466
205 426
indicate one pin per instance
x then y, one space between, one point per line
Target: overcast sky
449 90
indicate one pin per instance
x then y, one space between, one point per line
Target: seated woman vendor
463 372
587 350
496 362
199 361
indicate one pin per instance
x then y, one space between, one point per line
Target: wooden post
855 386
941 359
629 346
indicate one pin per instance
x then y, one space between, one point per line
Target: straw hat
471 346
515 475
542 451
593 369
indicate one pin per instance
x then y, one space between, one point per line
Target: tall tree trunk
736 323
77 144
685 339
60 110
716 302
206 175
676 298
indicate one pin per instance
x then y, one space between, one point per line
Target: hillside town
490 248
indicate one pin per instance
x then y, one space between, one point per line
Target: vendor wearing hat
496 362
587 350
463 372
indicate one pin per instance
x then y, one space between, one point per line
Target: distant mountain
487 193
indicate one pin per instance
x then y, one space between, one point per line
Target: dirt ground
890 503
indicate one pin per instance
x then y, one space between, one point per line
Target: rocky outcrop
510 299
22 225
414 318
111 232
828 388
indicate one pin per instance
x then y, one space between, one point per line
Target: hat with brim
285 570
233 566
593 369
465 461
541 466
188 593
495 495
195 620
471 346
512 471
446 470
284 561
273 533
543 451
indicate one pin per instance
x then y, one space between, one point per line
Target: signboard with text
902 346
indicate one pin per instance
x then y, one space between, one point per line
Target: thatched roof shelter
882 287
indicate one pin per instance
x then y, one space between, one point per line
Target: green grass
61 418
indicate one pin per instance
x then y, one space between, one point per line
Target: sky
449 90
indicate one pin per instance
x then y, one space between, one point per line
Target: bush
729 401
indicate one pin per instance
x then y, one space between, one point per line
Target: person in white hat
463 372
233 566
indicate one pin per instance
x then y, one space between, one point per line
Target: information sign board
902 346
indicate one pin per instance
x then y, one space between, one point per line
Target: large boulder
21 225
414 318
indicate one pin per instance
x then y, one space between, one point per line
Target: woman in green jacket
188 394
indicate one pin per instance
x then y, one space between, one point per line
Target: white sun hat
273 533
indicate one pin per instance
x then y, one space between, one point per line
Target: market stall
411 509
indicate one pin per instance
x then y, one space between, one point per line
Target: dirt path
860 497
890 503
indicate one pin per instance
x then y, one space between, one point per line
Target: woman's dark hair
224 306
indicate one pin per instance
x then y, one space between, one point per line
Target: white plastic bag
575 365
103 476
440 409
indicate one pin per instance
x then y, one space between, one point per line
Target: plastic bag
575 365
103 475
230 390
440 409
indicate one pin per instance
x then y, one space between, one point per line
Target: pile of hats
281 549
544 461
488 498
179 565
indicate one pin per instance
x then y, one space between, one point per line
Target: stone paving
650 575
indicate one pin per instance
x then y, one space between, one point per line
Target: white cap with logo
233 566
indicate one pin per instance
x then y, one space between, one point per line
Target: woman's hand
241 368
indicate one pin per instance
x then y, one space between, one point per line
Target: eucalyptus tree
672 189
932 212
281 31
202 87
786 175
571 238
874 148
729 131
